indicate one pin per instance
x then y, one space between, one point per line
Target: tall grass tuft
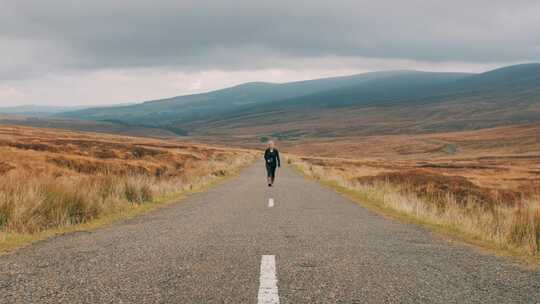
138 191
61 204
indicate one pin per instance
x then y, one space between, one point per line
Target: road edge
448 233
14 241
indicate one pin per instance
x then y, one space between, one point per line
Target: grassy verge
503 230
67 212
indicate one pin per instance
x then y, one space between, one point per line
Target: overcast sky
71 52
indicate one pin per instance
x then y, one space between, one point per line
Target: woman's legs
271 173
268 175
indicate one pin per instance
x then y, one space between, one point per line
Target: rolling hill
199 107
371 103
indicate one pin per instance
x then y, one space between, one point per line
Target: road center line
270 202
268 291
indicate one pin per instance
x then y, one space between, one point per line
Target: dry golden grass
469 211
485 183
53 179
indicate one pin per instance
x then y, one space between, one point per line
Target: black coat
272 158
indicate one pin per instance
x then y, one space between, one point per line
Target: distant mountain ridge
42 111
198 106
377 102
37 110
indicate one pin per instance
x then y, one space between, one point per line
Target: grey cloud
40 36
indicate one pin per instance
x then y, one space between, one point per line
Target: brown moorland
52 178
485 183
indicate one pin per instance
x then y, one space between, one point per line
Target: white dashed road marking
268 290
270 203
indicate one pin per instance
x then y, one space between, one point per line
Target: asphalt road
228 246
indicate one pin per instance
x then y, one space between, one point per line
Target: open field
84 126
53 179
500 158
485 182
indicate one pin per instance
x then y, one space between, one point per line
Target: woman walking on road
271 157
